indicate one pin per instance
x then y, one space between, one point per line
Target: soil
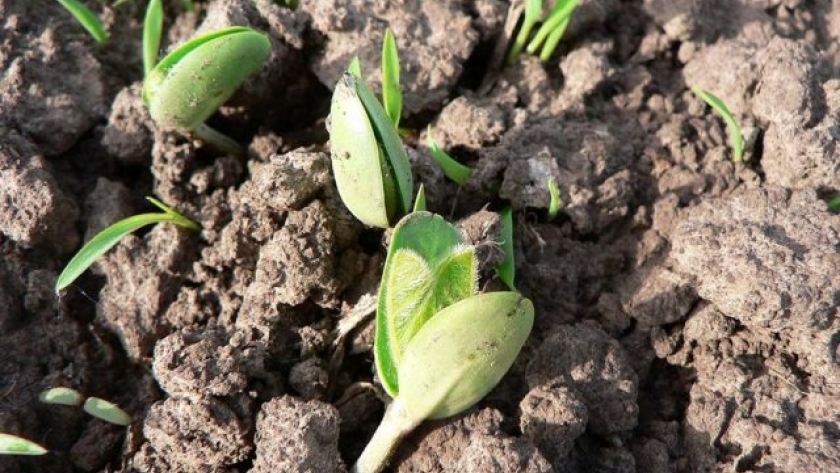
687 307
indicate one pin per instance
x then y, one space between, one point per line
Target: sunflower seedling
14 445
735 136
61 396
548 35
87 19
194 80
439 346
369 162
107 411
106 239
454 170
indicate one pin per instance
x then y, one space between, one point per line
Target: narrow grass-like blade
14 445
152 30
454 170
533 10
106 239
555 202
391 95
107 411
62 396
559 15
87 18
420 200
735 135
553 39
507 269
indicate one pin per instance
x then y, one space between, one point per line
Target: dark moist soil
686 306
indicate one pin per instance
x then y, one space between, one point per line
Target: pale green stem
394 427
217 140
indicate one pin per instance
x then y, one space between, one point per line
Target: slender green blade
391 143
558 18
735 135
533 11
420 200
14 445
428 267
391 95
507 269
87 18
454 170
554 39
355 67
152 30
62 396
107 411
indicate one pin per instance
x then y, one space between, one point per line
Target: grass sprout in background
107 411
106 239
548 35
87 18
420 200
735 136
507 268
454 170
14 445
391 94
61 396
152 30
555 203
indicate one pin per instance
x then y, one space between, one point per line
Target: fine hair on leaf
735 136
87 18
454 170
107 238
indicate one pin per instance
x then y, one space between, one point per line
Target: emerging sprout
420 200
106 239
190 83
62 396
14 445
391 95
371 167
87 18
735 136
550 32
107 411
555 202
507 268
454 170
152 30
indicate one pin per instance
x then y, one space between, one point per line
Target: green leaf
391 95
507 269
420 200
107 238
87 18
14 445
555 202
188 5
834 204
355 67
557 20
62 396
735 135
152 30
533 11
428 267
107 411
462 353
454 170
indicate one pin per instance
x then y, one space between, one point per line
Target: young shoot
735 136
107 411
391 95
420 200
193 81
61 396
454 170
834 204
439 346
14 445
106 239
152 30
555 203
533 11
87 19
507 268
550 32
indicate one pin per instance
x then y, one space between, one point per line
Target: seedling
190 83
106 239
61 396
107 411
14 445
391 94
555 203
834 204
735 136
420 200
550 32
454 170
507 269
369 162
439 347
87 19
152 30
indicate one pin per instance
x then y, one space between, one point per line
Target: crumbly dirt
686 305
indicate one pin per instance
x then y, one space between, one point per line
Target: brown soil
686 306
